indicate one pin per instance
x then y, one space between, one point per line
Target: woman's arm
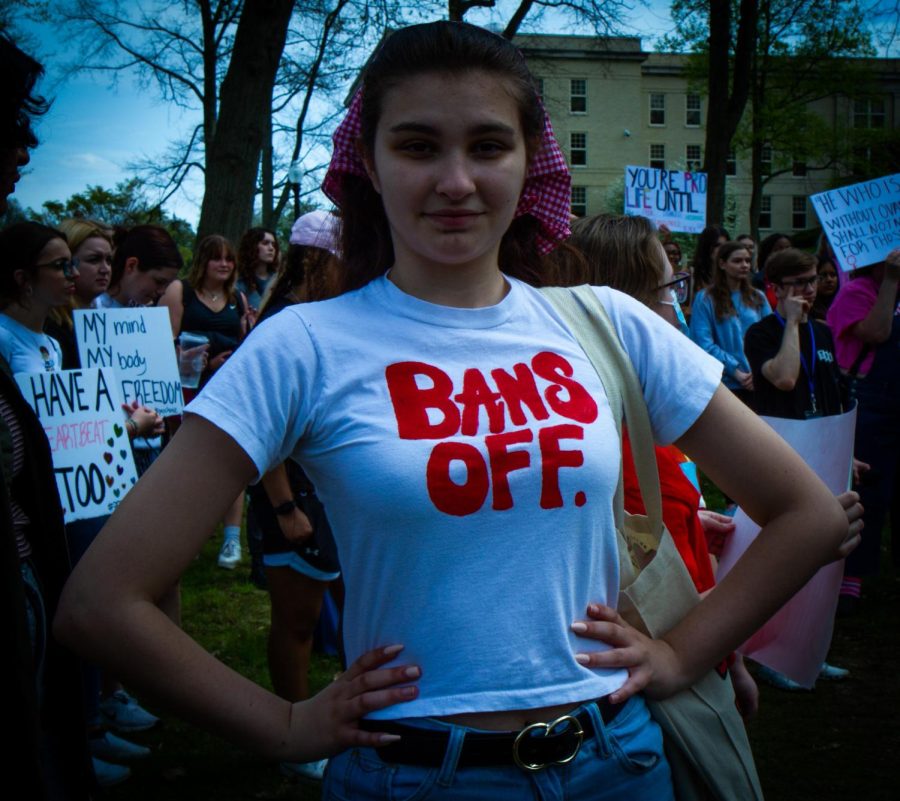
875 327
108 612
803 525
294 526
173 300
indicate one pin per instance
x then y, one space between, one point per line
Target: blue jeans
623 760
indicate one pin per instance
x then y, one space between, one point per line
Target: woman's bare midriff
511 719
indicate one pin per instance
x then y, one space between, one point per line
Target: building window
692 111
578 149
539 86
579 201
692 158
765 212
657 109
658 157
798 169
731 163
869 113
765 166
798 207
578 96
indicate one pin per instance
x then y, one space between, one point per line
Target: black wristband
284 508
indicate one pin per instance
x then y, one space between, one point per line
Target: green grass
838 743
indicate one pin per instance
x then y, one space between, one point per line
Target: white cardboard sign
674 198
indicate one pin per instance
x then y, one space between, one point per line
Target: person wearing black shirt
795 374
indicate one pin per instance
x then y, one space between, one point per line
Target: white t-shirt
467 460
28 351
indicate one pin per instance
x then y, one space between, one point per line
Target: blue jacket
724 339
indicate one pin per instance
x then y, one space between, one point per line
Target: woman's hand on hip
652 665
328 723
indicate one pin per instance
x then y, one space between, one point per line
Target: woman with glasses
39 274
723 312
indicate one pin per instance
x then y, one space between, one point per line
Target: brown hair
248 254
308 272
21 244
702 267
622 252
788 262
151 245
212 247
452 48
719 291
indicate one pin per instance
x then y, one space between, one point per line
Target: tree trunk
267 174
724 107
232 162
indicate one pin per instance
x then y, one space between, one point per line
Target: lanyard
809 370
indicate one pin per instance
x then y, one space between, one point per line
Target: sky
94 130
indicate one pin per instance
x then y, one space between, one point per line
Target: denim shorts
623 760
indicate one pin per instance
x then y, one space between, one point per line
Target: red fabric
680 503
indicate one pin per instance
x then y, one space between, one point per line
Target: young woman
146 261
207 303
829 280
466 455
703 263
258 257
722 314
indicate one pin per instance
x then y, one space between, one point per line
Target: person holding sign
866 328
723 312
467 455
146 261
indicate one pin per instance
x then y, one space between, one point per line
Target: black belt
532 748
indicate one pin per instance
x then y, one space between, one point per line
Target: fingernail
392 650
387 739
579 627
409 692
594 609
582 659
412 672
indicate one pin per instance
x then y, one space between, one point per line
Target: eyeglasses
811 281
680 286
69 267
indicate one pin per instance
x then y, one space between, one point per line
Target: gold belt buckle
547 729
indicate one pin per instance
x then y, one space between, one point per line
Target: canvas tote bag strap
586 318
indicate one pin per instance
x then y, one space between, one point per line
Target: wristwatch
285 508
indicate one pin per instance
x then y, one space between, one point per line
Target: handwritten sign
862 221
796 639
676 199
81 413
137 345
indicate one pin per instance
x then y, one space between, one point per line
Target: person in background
829 279
145 261
207 302
703 263
724 311
795 372
771 244
623 252
258 260
46 754
750 243
299 552
866 327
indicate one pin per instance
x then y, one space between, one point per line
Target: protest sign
137 345
862 221
81 413
674 198
796 639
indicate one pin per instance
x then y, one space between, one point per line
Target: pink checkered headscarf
546 195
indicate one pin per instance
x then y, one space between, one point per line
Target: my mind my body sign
674 198
82 416
862 221
137 345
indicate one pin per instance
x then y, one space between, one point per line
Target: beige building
613 104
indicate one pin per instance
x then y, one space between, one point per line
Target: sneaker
778 680
108 774
109 746
230 555
121 712
833 672
310 771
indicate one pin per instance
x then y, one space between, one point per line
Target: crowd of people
406 423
